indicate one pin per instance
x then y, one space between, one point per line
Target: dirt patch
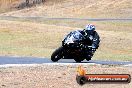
56 76
11 5
80 9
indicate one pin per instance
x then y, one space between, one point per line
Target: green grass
26 44
25 51
106 55
120 26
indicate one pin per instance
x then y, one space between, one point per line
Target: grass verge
40 39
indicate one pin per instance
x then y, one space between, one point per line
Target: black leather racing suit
91 39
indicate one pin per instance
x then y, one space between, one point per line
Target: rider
91 39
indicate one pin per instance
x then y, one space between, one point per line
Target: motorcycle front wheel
78 59
57 54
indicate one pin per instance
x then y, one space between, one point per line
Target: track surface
34 60
45 18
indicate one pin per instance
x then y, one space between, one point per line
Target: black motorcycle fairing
73 52
72 48
74 37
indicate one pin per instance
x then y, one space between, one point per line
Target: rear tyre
57 54
88 58
78 59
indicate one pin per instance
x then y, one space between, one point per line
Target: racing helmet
89 28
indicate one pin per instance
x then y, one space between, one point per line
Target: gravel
56 76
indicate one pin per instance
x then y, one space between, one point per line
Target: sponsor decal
83 78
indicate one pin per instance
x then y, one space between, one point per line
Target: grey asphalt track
34 60
47 18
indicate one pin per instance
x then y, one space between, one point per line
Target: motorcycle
72 48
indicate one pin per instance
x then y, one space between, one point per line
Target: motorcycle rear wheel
57 54
88 59
78 59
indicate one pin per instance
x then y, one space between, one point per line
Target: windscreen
73 36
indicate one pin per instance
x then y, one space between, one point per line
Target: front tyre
57 54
